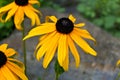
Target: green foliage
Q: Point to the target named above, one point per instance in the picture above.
(51, 4)
(104, 13)
(5, 28)
(58, 69)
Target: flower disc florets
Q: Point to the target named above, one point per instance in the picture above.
(3, 59)
(64, 25)
(21, 2)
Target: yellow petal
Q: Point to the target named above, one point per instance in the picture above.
(30, 14)
(79, 25)
(3, 47)
(83, 33)
(11, 12)
(48, 37)
(51, 50)
(33, 9)
(41, 51)
(40, 30)
(10, 52)
(2, 76)
(17, 71)
(19, 63)
(73, 19)
(66, 61)
(74, 51)
(62, 49)
(83, 44)
(7, 7)
(1, 17)
(7, 73)
(34, 2)
(15, 65)
(37, 20)
(53, 18)
(18, 18)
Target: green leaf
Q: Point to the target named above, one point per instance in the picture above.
(99, 22)
(117, 34)
(109, 21)
(118, 19)
(81, 8)
(58, 69)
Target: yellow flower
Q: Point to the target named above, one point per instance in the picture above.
(10, 69)
(118, 63)
(18, 8)
(60, 34)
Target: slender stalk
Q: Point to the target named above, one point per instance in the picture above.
(57, 76)
(24, 48)
(58, 70)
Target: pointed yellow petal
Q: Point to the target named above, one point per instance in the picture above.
(33, 2)
(43, 39)
(11, 13)
(10, 52)
(41, 51)
(66, 61)
(17, 71)
(7, 73)
(1, 17)
(18, 18)
(53, 18)
(3, 47)
(19, 63)
(40, 30)
(51, 50)
(15, 66)
(83, 33)
(74, 51)
(33, 9)
(62, 49)
(48, 37)
(30, 14)
(73, 19)
(29, 11)
(7, 7)
(79, 25)
(37, 20)
(83, 44)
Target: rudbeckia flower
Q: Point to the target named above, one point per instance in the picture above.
(60, 34)
(18, 8)
(10, 68)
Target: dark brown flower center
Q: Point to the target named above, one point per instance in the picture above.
(21, 2)
(3, 59)
(64, 25)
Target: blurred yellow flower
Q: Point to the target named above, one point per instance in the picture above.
(10, 69)
(61, 33)
(17, 9)
(118, 63)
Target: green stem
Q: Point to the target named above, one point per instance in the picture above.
(58, 70)
(57, 76)
(24, 48)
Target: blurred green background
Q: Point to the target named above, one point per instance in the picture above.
(103, 13)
